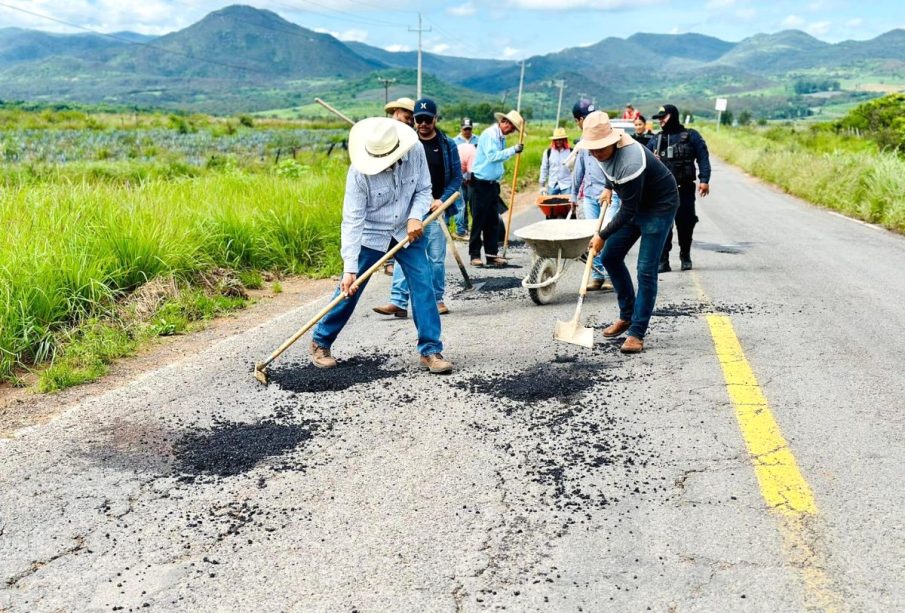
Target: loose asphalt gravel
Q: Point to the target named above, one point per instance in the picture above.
(537, 477)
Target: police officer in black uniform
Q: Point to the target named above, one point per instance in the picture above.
(679, 148)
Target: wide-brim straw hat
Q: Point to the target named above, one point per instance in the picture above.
(406, 104)
(513, 117)
(377, 143)
(597, 133)
(559, 134)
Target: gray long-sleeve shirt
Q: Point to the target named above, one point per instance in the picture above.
(377, 208)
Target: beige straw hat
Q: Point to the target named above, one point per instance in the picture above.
(513, 117)
(597, 133)
(406, 104)
(559, 134)
(377, 143)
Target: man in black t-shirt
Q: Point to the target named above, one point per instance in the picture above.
(446, 179)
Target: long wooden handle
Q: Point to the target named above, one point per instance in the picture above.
(591, 255)
(452, 246)
(518, 159)
(334, 111)
(364, 277)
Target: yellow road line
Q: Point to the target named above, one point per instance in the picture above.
(781, 483)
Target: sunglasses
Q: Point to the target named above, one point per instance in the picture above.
(423, 119)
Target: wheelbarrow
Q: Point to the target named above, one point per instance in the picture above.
(556, 206)
(554, 244)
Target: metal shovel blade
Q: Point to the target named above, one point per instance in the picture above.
(571, 332)
(261, 374)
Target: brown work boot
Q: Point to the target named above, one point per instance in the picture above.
(476, 262)
(442, 308)
(436, 364)
(494, 260)
(607, 287)
(632, 344)
(391, 309)
(320, 356)
(619, 326)
(594, 285)
(388, 269)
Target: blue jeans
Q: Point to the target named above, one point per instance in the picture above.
(591, 209)
(555, 191)
(652, 230)
(436, 255)
(413, 260)
(463, 203)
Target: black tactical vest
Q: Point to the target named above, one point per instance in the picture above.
(678, 157)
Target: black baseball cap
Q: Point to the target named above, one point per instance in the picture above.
(425, 106)
(666, 109)
(582, 108)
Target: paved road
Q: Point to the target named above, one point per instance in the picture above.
(750, 460)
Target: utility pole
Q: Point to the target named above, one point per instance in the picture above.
(521, 84)
(386, 88)
(419, 30)
(561, 84)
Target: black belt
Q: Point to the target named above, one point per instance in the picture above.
(477, 180)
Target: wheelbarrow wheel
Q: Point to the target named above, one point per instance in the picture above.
(543, 269)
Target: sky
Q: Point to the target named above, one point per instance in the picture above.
(503, 29)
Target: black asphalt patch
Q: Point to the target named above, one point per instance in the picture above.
(303, 377)
(561, 380)
(695, 309)
(232, 448)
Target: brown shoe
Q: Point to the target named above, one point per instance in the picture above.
(607, 287)
(320, 356)
(632, 344)
(442, 308)
(494, 260)
(619, 326)
(476, 262)
(391, 309)
(436, 364)
(594, 285)
(388, 270)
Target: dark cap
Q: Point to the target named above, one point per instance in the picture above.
(425, 106)
(666, 109)
(582, 108)
(466, 123)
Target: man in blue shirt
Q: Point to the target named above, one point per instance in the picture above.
(388, 194)
(488, 170)
(466, 133)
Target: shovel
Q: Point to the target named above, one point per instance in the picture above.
(261, 367)
(570, 331)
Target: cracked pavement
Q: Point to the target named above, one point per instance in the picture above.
(417, 492)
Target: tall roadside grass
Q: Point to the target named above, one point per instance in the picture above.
(72, 245)
(842, 173)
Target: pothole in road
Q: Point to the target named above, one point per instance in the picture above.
(694, 309)
(560, 379)
(305, 377)
(488, 286)
(232, 448)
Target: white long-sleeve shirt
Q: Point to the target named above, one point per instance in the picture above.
(553, 170)
(377, 208)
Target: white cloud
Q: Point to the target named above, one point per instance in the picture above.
(855, 22)
(396, 47)
(819, 28)
(792, 21)
(358, 36)
(560, 5)
(463, 10)
(439, 48)
(675, 30)
(511, 52)
(746, 13)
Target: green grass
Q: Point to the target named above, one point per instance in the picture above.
(847, 174)
(75, 243)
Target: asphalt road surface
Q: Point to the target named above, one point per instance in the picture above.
(751, 459)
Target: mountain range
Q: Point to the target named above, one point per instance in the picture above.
(241, 58)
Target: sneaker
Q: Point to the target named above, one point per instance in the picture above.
(493, 260)
(477, 262)
(436, 364)
(442, 308)
(392, 309)
(320, 356)
(632, 344)
(664, 266)
(618, 327)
